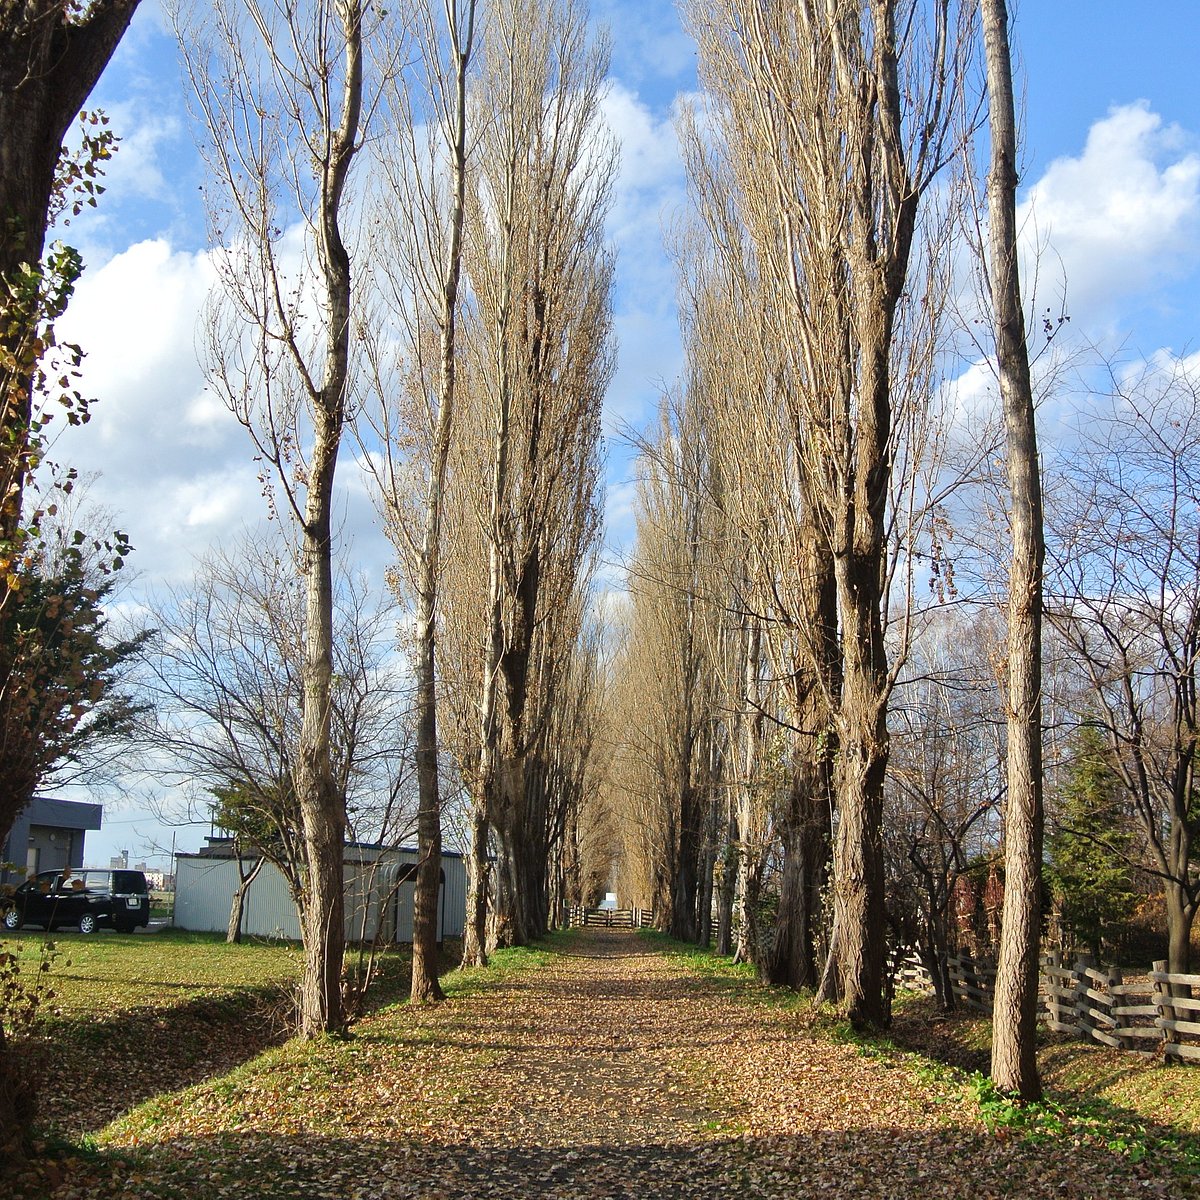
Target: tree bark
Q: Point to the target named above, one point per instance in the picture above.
(475, 935)
(805, 834)
(425, 984)
(791, 960)
(49, 63)
(237, 909)
(1181, 913)
(1014, 1021)
(728, 889)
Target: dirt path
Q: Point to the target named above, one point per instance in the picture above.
(613, 1070)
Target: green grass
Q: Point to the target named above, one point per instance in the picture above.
(105, 973)
(204, 1058)
(1134, 1107)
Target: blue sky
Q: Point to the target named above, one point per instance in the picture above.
(1112, 183)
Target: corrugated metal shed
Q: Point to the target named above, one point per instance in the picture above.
(379, 895)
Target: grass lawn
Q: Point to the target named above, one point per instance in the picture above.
(105, 973)
(1143, 1107)
(129, 1016)
(144, 1027)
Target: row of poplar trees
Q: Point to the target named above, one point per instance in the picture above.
(794, 482)
(407, 210)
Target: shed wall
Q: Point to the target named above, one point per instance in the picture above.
(205, 887)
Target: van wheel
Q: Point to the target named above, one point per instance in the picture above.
(87, 923)
(12, 919)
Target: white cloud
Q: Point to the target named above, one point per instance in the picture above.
(136, 320)
(175, 467)
(1122, 217)
(650, 159)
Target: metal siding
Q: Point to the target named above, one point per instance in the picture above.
(455, 913)
(205, 888)
(270, 911)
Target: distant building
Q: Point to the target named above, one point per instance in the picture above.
(379, 893)
(47, 836)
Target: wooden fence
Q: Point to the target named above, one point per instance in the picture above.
(908, 971)
(973, 981)
(1160, 1013)
(610, 918)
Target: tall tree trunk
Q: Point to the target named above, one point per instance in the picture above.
(1014, 1021)
(1181, 913)
(425, 984)
(505, 923)
(685, 880)
(859, 917)
(707, 872)
(790, 962)
(322, 803)
(806, 827)
(475, 934)
(749, 897)
(728, 889)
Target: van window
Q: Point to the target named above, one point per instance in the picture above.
(128, 881)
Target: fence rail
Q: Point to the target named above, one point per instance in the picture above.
(1097, 1004)
(610, 918)
(973, 981)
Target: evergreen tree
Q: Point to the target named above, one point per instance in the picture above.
(1092, 846)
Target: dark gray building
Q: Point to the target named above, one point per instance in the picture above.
(48, 835)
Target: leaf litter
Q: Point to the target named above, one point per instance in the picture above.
(602, 1069)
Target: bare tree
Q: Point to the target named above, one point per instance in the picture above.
(227, 687)
(835, 120)
(689, 686)
(424, 167)
(945, 781)
(536, 359)
(280, 92)
(1124, 597)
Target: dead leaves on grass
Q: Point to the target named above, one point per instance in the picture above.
(609, 1071)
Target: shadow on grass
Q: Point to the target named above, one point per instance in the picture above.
(959, 1040)
(875, 1162)
(99, 1067)
(102, 1067)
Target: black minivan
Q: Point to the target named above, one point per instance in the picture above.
(87, 899)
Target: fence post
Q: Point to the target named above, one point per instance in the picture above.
(1046, 984)
(1116, 977)
(1083, 1024)
(1162, 1001)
